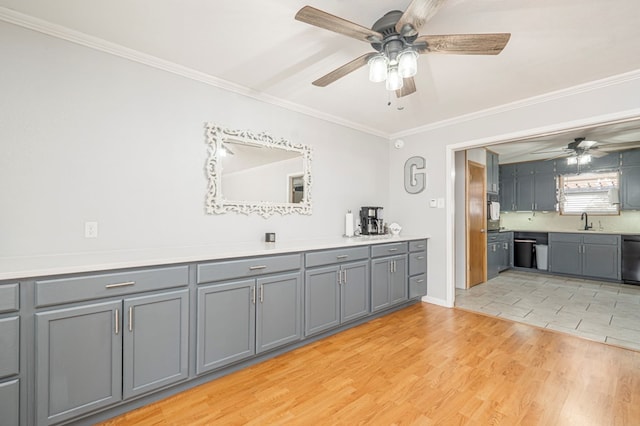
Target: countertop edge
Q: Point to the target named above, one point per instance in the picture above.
(26, 267)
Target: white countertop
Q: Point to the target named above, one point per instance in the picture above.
(17, 267)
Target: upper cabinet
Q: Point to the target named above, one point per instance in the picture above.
(629, 178)
(492, 172)
(528, 186)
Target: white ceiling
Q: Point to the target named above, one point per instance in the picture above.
(260, 47)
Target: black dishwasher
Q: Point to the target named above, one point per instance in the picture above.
(631, 259)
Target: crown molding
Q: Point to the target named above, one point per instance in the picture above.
(523, 103)
(77, 37)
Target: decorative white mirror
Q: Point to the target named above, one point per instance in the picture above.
(250, 173)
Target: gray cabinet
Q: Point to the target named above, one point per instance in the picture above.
(78, 360)
(155, 350)
(417, 268)
(630, 188)
(388, 282)
(507, 187)
(499, 253)
(494, 255)
(91, 356)
(492, 172)
(239, 319)
(335, 294)
(226, 324)
(535, 187)
(10, 403)
(588, 255)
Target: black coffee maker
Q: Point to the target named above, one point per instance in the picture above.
(371, 222)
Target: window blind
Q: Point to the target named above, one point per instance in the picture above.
(588, 192)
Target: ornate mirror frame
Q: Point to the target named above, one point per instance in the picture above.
(216, 202)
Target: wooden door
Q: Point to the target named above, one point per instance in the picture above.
(476, 219)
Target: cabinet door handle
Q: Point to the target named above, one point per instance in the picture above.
(339, 277)
(253, 294)
(117, 320)
(342, 256)
(124, 284)
(255, 268)
(261, 293)
(344, 280)
(130, 318)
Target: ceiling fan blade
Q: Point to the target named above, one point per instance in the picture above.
(597, 153)
(618, 146)
(418, 12)
(408, 87)
(464, 44)
(317, 17)
(343, 70)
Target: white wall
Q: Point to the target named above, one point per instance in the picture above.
(87, 136)
(596, 103)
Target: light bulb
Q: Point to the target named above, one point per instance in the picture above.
(408, 63)
(394, 79)
(377, 68)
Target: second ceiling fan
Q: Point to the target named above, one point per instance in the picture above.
(396, 42)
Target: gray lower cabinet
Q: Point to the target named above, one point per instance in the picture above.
(239, 319)
(95, 355)
(10, 403)
(588, 255)
(494, 257)
(418, 267)
(388, 282)
(335, 294)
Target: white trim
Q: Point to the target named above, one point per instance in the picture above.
(551, 96)
(77, 37)
(633, 114)
(436, 301)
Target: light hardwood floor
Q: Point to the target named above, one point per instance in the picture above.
(423, 365)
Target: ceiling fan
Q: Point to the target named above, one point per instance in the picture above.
(581, 147)
(396, 42)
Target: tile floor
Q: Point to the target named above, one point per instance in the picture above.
(596, 310)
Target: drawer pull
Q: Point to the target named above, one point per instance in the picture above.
(342, 256)
(393, 249)
(420, 257)
(255, 268)
(124, 284)
(420, 245)
(419, 281)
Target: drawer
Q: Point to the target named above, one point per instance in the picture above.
(9, 297)
(608, 239)
(417, 286)
(417, 263)
(64, 290)
(244, 268)
(9, 346)
(10, 403)
(328, 257)
(492, 237)
(565, 238)
(417, 245)
(391, 249)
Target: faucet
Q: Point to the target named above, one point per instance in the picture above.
(586, 221)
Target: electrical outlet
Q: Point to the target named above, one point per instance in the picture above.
(91, 229)
(433, 203)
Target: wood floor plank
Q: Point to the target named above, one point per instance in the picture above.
(422, 365)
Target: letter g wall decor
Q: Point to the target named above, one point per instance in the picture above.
(415, 182)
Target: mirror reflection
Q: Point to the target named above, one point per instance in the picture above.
(256, 173)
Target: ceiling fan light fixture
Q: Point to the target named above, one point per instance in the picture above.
(582, 159)
(408, 63)
(394, 79)
(378, 69)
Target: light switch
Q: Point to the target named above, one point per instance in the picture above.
(433, 203)
(441, 203)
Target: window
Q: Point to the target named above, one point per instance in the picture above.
(595, 193)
